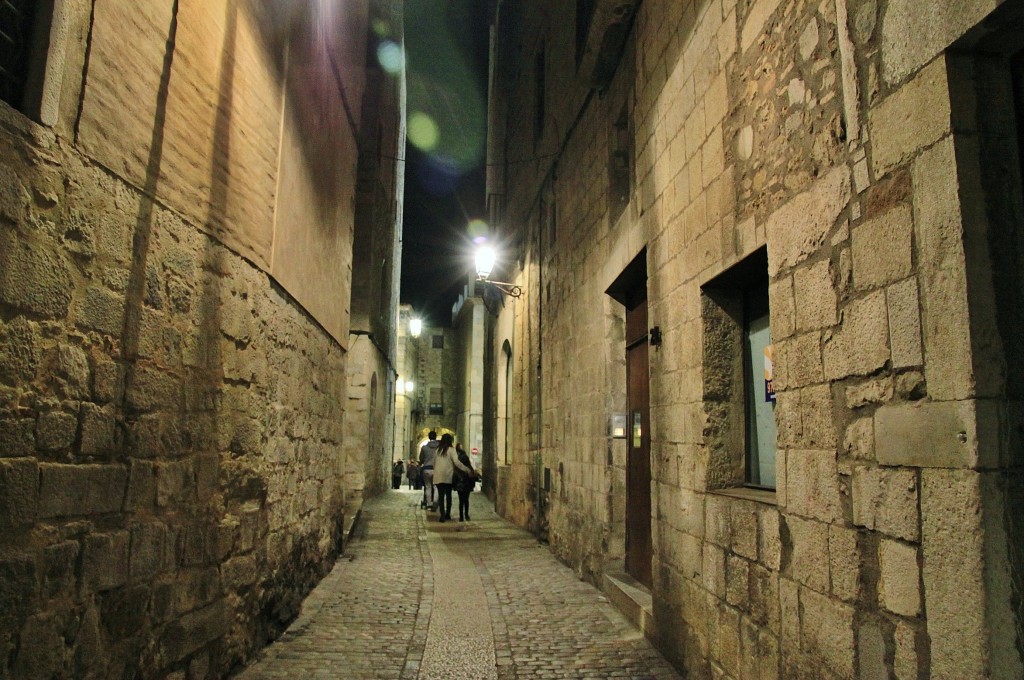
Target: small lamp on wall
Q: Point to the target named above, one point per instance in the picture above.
(415, 327)
(485, 259)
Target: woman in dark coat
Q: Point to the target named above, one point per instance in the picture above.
(397, 470)
(464, 483)
(446, 462)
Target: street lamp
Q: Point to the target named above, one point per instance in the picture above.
(485, 258)
(415, 327)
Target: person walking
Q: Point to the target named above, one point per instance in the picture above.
(397, 471)
(427, 452)
(445, 463)
(412, 471)
(464, 482)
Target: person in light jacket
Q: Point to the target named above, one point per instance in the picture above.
(427, 452)
(445, 463)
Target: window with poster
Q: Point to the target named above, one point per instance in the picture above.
(738, 347)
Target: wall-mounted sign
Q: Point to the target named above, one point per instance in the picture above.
(617, 426)
(769, 374)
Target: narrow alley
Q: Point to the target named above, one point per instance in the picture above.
(722, 299)
(414, 598)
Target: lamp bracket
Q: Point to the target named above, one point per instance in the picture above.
(510, 289)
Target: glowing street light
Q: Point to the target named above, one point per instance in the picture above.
(485, 259)
(415, 327)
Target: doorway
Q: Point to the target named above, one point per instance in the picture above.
(630, 290)
(638, 452)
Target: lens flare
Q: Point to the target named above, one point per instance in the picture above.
(390, 56)
(444, 82)
(422, 131)
(477, 230)
(438, 175)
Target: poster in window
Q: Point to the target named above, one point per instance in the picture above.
(769, 374)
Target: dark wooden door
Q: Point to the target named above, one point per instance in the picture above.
(638, 458)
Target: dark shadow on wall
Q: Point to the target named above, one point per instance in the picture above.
(136, 291)
(240, 431)
(986, 76)
(304, 43)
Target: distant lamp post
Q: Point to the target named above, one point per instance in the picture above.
(415, 327)
(485, 258)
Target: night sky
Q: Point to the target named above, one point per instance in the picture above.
(446, 44)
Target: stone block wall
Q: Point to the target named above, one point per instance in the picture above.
(367, 437)
(172, 509)
(840, 140)
(435, 367)
(171, 410)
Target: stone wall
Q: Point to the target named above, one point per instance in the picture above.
(469, 331)
(369, 411)
(436, 367)
(175, 508)
(170, 413)
(405, 362)
(373, 352)
(838, 141)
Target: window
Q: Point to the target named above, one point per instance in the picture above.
(437, 341)
(549, 215)
(758, 387)
(539, 69)
(505, 404)
(24, 40)
(985, 71)
(620, 165)
(738, 391)
(584, 14)
(1017, 77)
(435, 407)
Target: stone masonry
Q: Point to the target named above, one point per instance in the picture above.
(171, 394)
(868, 152)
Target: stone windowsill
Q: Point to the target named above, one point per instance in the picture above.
(748, 494)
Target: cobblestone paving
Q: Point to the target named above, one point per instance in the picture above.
(417, 599)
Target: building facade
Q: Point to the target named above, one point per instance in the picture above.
(445, 367)
(762, 369)
(181, 317)
(431, 361)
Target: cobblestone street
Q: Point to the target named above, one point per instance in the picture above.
(414, 598)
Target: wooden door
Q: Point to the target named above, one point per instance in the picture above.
(638, 458)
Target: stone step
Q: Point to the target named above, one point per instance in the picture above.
(631, 598)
